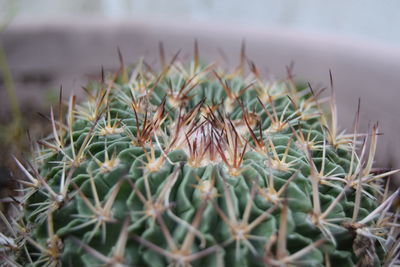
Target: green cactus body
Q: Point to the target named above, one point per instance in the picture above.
(196, 167)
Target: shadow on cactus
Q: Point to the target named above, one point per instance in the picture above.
(195, 166)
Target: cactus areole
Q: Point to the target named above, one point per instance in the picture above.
(196, 166)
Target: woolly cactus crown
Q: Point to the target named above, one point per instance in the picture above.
(195, 166)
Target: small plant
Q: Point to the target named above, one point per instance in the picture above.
(195, 166)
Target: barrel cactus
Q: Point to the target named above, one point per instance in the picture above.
(197, 166)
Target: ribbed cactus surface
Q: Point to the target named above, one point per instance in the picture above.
(195, 166)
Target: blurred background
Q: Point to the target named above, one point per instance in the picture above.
(47, 43)
(365, 19)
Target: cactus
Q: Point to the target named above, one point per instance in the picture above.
(196, 166)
